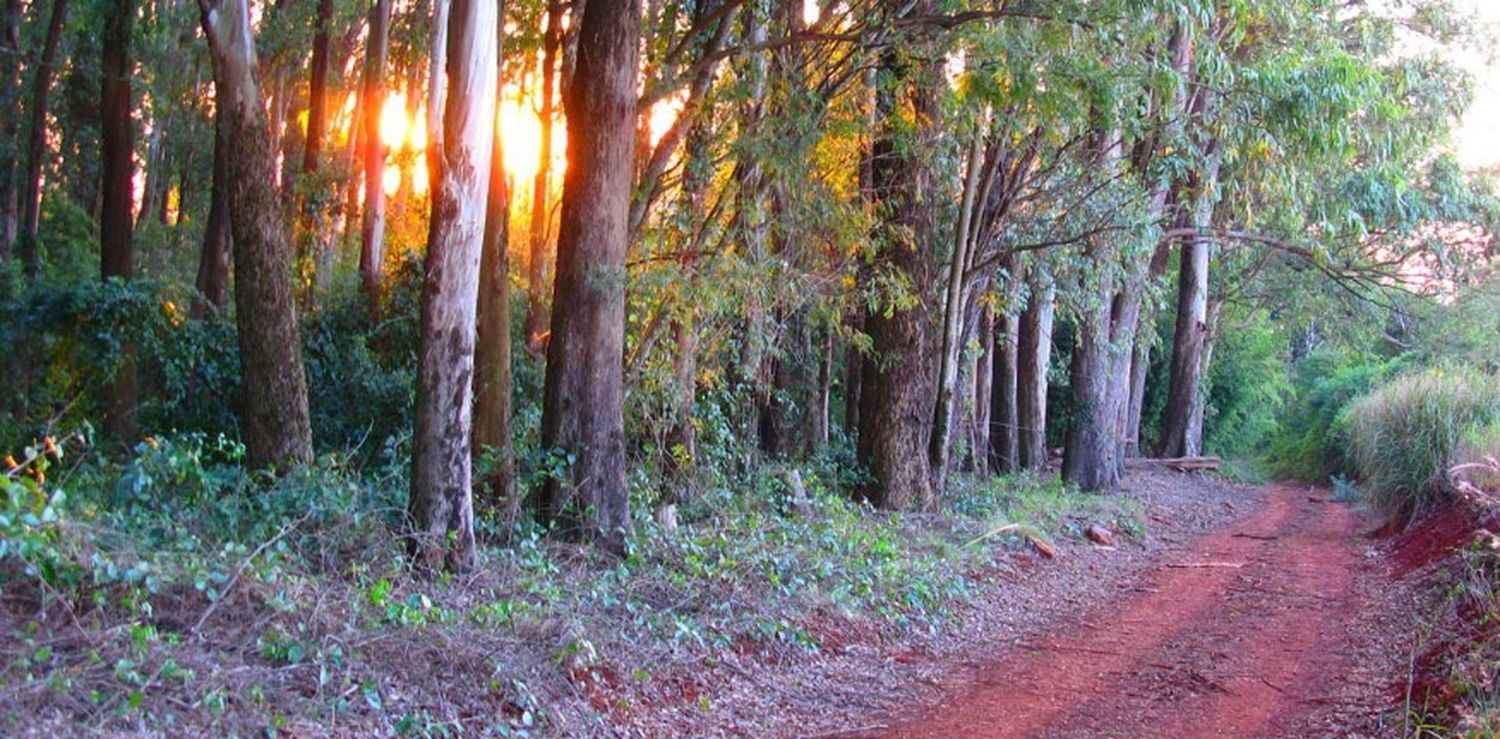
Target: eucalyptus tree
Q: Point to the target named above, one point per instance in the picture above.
(116, 224)
(274, 413)
(44, 70)
(116, 217)
(541, 216)
(372, 216)
(898, 393)
(314, 202)
(10, 130)
(1018, 187)
(492, 351)
(441, 503)
(211, 287)
(1319, 129)
(583, 395)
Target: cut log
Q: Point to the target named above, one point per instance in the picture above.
(1100, 535)
(1179, 464)
(1043, 548)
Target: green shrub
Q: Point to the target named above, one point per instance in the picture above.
(1305, 446)
(1247, 386)
(65, 340)
(1405, 436)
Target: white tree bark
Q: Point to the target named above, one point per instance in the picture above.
(441, 496)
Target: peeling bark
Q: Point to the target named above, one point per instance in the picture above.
(441, 504)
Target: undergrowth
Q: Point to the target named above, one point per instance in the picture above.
(1454, 689)
(175, 593)
(1405, 436)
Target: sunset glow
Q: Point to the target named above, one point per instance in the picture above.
(393, 121)
(390, 180)
(520, 134)
(810, 12)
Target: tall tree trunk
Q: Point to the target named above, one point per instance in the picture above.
(1004, 436)
(682, 438)
(1124, 325)
(317, 98)
(951, 353)
(151, 175)
(1186, 376)
(274, 415)
(315, 208)
(900, 382)
(372, 217)
(441, 497)
(822, 393)
(773, 384)
(31, 185)
(116, 221)
(1187, 348)
(751, 222)
(854, 365)
(437, 89)
(582, 401)
(1088, 450)
(353, 185)
(213, 262)
(984, 375)
(10, 129)
(1140, 362)
(116, 244)
(492, 371)
(536, 266)
(1033, 359)
(1093, 443)
(1206, 358)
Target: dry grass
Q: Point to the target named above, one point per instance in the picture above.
(1407, 435)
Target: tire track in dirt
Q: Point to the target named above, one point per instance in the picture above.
(1234, 636)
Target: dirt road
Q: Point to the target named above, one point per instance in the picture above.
(1237, 633)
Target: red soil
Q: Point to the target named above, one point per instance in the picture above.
(1237, 635)
(1434, 537)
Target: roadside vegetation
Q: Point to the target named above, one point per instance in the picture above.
(174, 592)
(1416, 434)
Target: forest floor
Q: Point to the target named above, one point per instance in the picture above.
(1241, 611)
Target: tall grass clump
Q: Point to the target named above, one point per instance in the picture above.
(1405, 436)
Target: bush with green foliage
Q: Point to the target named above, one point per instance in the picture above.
(1406, 435)
(67, 339)
(1247, 386)
(1306, 446)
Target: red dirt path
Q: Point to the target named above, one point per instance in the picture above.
(1236, 635)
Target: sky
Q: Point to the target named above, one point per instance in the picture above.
(1477, 139)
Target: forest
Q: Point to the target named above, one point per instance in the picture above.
(584, 367)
